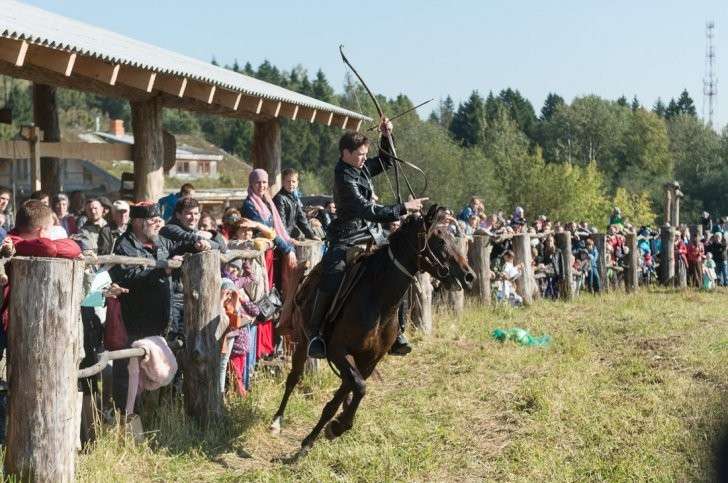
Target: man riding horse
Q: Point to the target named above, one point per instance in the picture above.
(357, 223)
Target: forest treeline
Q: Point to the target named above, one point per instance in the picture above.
(569, 160)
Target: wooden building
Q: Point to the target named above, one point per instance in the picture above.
(54, 51)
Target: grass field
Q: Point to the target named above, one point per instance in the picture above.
(630, 389)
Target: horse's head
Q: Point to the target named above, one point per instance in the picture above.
(438, 252)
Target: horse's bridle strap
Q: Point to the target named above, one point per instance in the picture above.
(399, 266)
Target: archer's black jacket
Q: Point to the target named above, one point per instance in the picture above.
(358, 215)
(292, 215)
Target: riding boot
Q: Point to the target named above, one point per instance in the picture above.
(317, 346)
(401, 346)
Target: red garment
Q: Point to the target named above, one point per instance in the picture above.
(45, 247)
(39, 247)
(237, 366)
(265, 329)
(696, 252)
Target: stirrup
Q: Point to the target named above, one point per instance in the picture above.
(317, 354)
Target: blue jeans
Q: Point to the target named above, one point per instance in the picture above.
(721, 270)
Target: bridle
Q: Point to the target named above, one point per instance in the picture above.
(424, 254)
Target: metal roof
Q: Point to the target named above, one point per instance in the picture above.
(34, 25)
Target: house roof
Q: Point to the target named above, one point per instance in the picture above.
(183, 151)
(126, 57)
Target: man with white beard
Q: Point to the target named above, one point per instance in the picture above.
(145, 310)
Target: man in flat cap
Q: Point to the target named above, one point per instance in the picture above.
(146, 308)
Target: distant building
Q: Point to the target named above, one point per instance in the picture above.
(190, 163)
(76, 174)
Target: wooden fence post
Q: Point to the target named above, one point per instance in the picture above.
(44, 334)
(479, 259)
(631, 276)
(667, 256)
(566, 290)
(422, 304)
(525, 284)
(601, 244)
(455, 299)
(201, 360)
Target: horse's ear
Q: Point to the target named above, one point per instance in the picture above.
(431, 213)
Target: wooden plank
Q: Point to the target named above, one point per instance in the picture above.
(358, 125)
(331, 118)
(96, 69)
(59, 61)
(14, 149)
(89, 151)
(313, 116)
(175, 86)
(226, 98)
(201, 92)
(137, 78)
(13, 51)
(346, 121)
(288, 110)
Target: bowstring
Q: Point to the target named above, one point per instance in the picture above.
(379, 148)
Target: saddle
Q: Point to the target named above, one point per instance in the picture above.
(299, 299)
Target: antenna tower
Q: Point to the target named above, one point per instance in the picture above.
(710, 81)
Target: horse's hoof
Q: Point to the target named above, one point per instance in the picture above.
(329, 430)
(275, 426)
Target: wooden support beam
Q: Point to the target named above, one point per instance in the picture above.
(96, 69)
(59, 61)
(35, 138)
(345, 122)
(271, 108)
(43, 407)
(13, 51)
(289, 110)
(265, 151)
(174, 86)
(631, 270)
(358, 125)
(331, 118)
(137, 78)
(313, 116)
(146, 122)
(201, 92)
(45, 116)
(228, 99)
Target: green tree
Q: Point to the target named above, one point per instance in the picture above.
(552, 103)
(468, 123)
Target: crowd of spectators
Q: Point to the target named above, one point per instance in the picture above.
(143, 301)
(702, 260)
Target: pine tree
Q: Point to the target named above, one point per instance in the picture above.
(447, 111)
(635, 103)
(659, 108)
(685, 104)
(622, 101)
(468, 123)
(672, 110)
(550, 105)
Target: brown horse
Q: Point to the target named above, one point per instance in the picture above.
(365, 328)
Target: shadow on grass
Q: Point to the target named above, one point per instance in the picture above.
(169, 427)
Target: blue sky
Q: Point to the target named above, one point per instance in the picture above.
(434, 48)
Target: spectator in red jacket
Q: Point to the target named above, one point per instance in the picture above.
(696, 255)
(30, 235)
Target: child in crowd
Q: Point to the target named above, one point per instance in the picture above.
(509, 274)
(709, 274)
